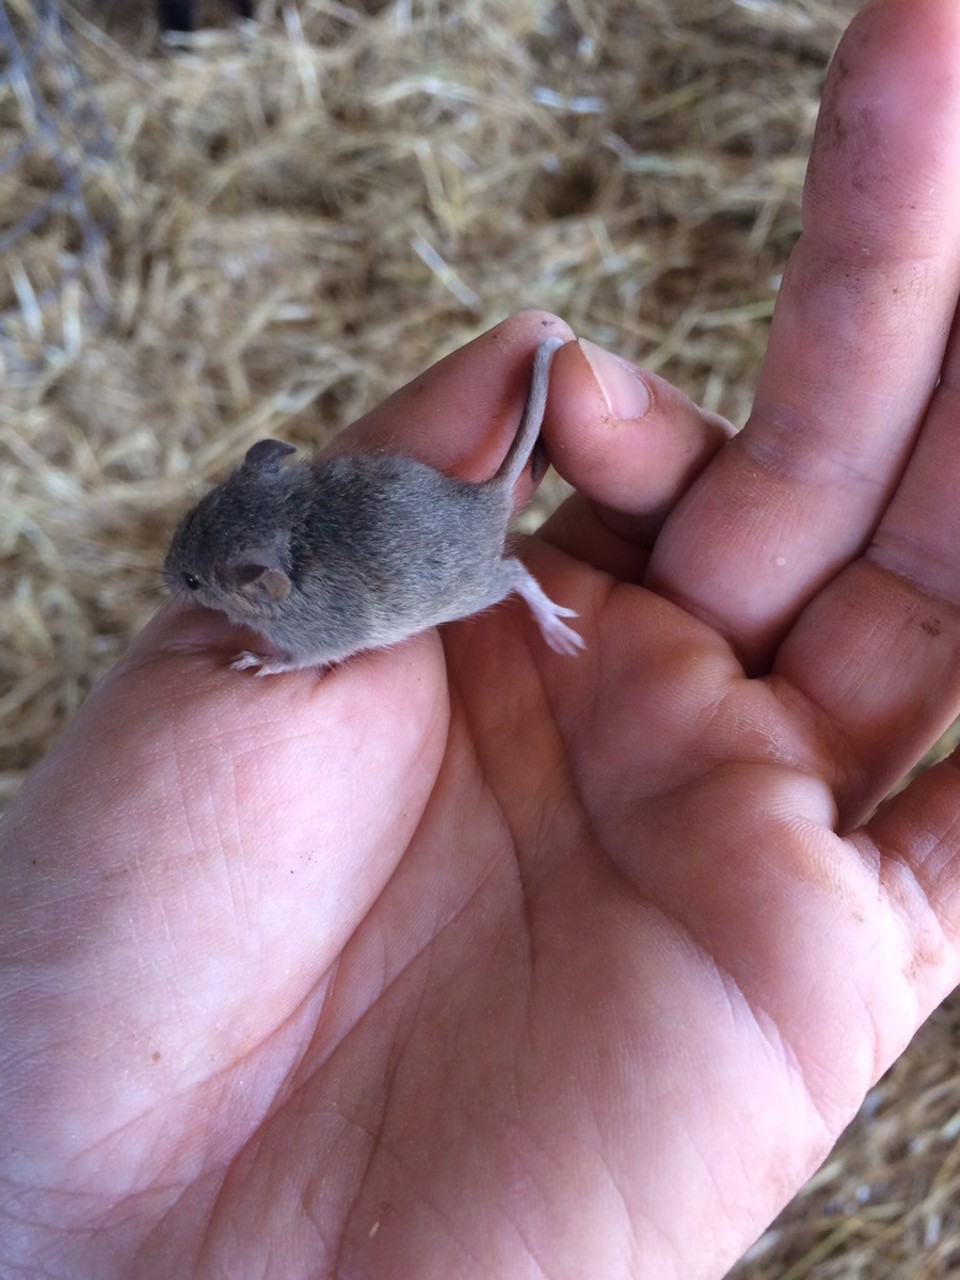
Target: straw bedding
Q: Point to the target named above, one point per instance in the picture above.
(300, 216)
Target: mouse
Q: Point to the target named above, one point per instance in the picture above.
(326, 557)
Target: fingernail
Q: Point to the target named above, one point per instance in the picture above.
(624, 390)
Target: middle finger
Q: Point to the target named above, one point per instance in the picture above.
(856, 342)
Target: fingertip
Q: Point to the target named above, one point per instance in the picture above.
(181, 625)
(884, 138)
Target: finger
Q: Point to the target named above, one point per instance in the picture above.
(623, 436)
(226, 768)
(196, 832)
(630, 443)
(856, 341)
(878, 653)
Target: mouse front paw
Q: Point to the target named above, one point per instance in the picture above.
(264, 666)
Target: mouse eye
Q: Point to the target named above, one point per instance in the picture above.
(191, 583)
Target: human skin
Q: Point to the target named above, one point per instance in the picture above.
(469, 960)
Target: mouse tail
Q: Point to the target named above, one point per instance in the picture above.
(532, 418)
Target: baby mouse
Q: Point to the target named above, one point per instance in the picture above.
(326, 557)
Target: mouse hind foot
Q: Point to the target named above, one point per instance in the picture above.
(549, 616)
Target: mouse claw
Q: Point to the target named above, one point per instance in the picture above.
(244, 660)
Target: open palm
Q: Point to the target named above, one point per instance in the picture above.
(469, 960)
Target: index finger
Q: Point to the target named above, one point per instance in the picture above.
(856, 343)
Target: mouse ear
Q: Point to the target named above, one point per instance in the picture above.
(267, 456)
(256, 574)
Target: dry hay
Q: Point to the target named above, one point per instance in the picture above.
(303, 215)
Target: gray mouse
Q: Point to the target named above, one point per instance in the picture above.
(326, 557)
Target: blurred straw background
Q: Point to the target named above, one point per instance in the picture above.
(266, 227)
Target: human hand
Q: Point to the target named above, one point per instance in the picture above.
(469, 960)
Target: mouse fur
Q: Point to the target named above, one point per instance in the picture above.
(326, 557)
